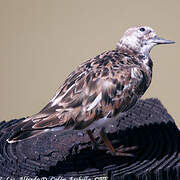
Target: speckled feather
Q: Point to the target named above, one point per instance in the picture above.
(111, 75)
(99, 89)
(108, 75)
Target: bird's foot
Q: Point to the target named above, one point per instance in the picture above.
(94, 143)
(123, 151)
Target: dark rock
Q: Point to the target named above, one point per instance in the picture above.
(147, 125)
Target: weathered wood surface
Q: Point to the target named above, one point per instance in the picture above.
(147, 125)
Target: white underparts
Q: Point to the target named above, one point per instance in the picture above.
(60, 128)
(102, 121)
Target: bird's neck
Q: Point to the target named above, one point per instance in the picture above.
(147, 64)
(130, 48)
(139, 58)
(133, 45)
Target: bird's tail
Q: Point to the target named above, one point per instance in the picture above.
(23, 130)
(21, 135)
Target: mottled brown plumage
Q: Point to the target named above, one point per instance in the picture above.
(99, 89)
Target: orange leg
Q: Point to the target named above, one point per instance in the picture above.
(95, 145)
(90, 134)
(121, 151)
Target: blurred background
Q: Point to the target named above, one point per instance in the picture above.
(42, 41)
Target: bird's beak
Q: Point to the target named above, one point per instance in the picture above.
(159, 40)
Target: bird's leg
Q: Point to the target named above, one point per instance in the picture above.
(121, 151)
(95, 145)
(93, 141)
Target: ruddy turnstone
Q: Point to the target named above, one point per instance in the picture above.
(98, 90)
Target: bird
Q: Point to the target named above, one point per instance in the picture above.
(98, 91)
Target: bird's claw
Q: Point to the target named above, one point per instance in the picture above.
(123, 151)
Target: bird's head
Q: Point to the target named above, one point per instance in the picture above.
(141, 39)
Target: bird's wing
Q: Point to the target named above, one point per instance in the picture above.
(88, 96)
(93, 91)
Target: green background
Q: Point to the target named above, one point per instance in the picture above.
(42, 41)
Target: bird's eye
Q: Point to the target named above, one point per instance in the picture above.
(142, 29)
